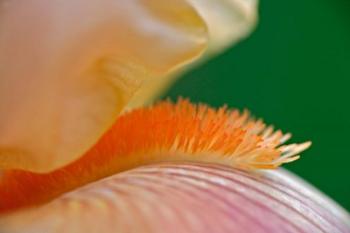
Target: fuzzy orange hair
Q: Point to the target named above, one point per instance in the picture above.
(163, 132)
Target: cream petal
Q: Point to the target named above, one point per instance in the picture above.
(228, 22)
(67, 68)
(186, 198)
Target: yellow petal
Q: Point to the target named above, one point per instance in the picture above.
(228, 22)
(67, 68)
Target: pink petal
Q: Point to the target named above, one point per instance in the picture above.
(186, 198)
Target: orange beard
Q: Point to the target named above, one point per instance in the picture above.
(163, 132)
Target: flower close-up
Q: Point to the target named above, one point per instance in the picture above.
(87, 143)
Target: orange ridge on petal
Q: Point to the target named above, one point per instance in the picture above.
(164, 132)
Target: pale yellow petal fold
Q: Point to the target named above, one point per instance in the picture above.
(67, 68)
(228, 22)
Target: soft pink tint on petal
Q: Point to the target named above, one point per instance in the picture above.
(186, 198)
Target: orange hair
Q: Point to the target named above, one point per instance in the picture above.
(163, 132)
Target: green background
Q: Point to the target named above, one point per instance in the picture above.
(294, 72)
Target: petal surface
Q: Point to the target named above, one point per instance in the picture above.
(67, 68)
(186, 198)
(228, 21)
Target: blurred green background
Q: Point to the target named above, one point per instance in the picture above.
(294, 72)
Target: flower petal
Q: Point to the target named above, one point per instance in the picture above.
(228, 22)
(68, 68)
(186, 198)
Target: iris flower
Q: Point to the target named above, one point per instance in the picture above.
(85, 148)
